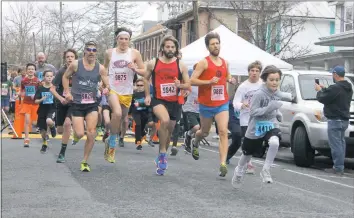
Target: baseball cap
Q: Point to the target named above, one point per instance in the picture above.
(339, 70)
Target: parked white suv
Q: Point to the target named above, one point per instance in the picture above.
(304, 126)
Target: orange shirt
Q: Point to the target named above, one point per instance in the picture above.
(214, 95)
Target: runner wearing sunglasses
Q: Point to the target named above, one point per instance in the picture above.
(85, 73)
(121, 63)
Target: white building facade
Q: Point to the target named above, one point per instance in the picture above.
(339, 43)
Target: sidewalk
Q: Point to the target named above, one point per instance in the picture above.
(34, 185)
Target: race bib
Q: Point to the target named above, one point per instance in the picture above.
(49, 99)
(217, 93)
(87, 98)
(4, 91)
(40, 76)
(30, 90)
(262, 127)
(120, 77)
(168, 89)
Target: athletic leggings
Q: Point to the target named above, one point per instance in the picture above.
(237, 133)
(141, 119)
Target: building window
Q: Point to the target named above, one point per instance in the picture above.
(190, 32)
(348, 18)
(179, 35)
(244, 28)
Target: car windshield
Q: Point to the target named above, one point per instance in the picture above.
(307, 83)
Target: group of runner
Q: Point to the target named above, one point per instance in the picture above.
(82, 86)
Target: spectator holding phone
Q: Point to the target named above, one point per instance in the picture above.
(336, 100)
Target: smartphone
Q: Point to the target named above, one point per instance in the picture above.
(317, 81)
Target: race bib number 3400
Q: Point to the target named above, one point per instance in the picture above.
(262, 127)
(217, 93)
(168, 89)
(87, 98)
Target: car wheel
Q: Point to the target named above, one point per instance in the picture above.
(304, 155)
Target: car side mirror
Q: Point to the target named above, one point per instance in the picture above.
(294, 100)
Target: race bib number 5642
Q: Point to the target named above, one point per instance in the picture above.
(168, 89)
(217, 93)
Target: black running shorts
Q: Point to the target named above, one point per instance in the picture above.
(171, 107)
(252, 146)
(42, 119)
(81, 110)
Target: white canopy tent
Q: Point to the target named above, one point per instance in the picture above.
(235, 50)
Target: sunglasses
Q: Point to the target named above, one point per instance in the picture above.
(91, 49)
(139, 85)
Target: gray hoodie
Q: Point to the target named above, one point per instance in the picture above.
(264, 113)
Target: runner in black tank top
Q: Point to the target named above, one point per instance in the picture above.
(86, 74)
(63, 115)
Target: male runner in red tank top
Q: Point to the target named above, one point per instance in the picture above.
(166, 72)
(212, 75)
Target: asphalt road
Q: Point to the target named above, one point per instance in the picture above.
(34, 185)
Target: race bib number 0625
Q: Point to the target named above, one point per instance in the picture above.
(168, 89)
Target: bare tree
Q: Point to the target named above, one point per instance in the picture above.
(267, 25)
(17, 31)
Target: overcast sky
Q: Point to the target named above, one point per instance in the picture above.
(148, 12)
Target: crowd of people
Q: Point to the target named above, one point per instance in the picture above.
(88, 97)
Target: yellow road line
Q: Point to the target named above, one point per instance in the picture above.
(99, 138)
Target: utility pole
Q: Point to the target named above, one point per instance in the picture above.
(34, 46)
(196, 19)
(60, 32)
(115, 15)
(115, 22)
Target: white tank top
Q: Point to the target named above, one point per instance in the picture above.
(120, 76)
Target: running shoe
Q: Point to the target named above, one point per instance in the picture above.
(106, 148)
(26, 143)
(266, 177)
(111, 155)
(237, 178)
(195, 151)
(223, 170)
(61, 158)
(75, 139)
(161, 164)
(44, 149)
(151, 143)
(138, 146)
(53, 131)
(121, 142)
(227, 161)
(250, 169)
(174, 151)
(187, 142)
(85, 167)
(100, 131)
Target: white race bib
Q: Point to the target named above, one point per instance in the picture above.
(4, 91)
(87, 98)
(168, 89)
(120, 77)
(217, 93)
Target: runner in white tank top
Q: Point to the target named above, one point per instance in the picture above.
(120, 75)
(122, 64)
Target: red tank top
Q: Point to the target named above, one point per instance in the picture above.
(163, 80)
(214, 95)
